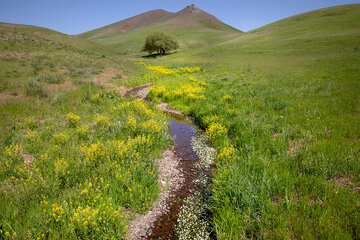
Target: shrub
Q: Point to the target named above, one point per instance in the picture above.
(35, 88)
(50, 79)
(217, 134)
(72, 120)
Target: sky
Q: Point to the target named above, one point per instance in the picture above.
(77, 16)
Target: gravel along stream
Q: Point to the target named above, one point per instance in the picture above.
(182, 211)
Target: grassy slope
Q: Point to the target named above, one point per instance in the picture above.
(29, 53)
(82, 169)
(292, 116)
(190, 31)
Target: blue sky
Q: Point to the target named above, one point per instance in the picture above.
(77, 16)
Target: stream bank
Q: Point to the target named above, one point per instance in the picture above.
(181, 211)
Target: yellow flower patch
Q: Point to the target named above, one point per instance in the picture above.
(72, 120)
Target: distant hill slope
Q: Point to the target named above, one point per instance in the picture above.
(31, 38)
(326, 22)
(192, 26)
(28, 52)
(321, 32)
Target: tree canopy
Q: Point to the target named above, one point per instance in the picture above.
(160, 42)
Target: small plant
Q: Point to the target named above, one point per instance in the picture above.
(101, 121)
(82, 132)
(32, 124)
(227, 98)
(61, 138)
(35, 88)
(50, 79)
(72, 120)
(117, 76)
(217, 133)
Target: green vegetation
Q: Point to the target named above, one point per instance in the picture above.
(50, 79)
(279, 103)
(191, 30)
(282, 110)
(35, 88)
(75, 172)
(77, 160)
(160, 42)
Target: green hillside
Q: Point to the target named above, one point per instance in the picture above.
(57, 99)
(28, 52)
(280, 104)
(288, 96)
(53, 61)
(193, 27)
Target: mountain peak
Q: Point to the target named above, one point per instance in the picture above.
(189, 17)
(191, 9)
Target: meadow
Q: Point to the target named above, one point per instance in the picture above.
(77, 159)
(81, 171)
(280, 104)
(284, 168)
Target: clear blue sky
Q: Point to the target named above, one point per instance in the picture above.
(77, 16)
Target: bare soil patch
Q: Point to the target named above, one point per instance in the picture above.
(348, 183)
(28, 158)
(170, 180)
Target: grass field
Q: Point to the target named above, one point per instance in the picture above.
(284, 109)
(279, 103)
(77, 160)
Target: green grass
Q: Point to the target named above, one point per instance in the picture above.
(195, 33)
(93, 164)
(77, 160)
(279, 103)
(289, 164)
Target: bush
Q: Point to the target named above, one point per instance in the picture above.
(73, 120)
(50, 79)
(35, 88)
(160, 42)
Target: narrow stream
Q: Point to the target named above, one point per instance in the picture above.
(182, 133)
(189, 216)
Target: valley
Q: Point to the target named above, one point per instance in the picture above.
(277, 108)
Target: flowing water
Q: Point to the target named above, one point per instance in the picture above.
(189, 217)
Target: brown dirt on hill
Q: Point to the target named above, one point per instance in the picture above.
(187, 17)
(6, 97)
(133, 23)
(12, 54)
(28, 158)
(346, 182)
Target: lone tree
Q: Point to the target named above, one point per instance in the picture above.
(160, 42)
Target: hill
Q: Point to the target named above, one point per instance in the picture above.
(326, 22)
(192, 26)
(280, 104)
(29, 52)
(58, 94)
(318, 32)
(288, 96)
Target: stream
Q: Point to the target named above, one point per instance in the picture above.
(188, 215)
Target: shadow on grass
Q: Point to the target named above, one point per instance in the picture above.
(156, 55)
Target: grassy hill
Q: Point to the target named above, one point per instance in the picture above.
(58, 96)
(38, 62)
(288, 96)
(280, 103)
(29, 52)
(192, 26)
